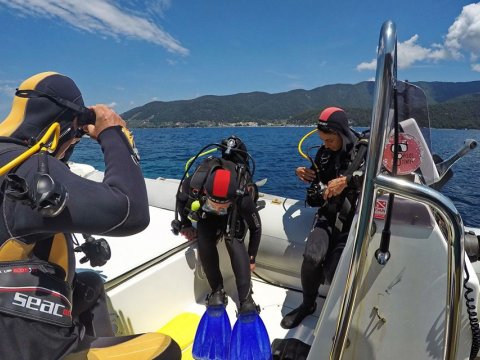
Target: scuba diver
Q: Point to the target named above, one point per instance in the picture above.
(219, 189)
(219, 201)
(336, 177)
(47, 310)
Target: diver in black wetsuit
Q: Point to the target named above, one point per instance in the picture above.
(338, 165)
(221, 196)
(43, 203)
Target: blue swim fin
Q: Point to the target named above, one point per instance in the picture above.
(250, 339)
(212, 339)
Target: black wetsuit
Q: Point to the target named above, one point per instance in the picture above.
(328, 236)
(212, 227)
(118, 206)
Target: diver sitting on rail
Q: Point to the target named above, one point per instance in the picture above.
(47, 311)
(217, 200)
(336, 180)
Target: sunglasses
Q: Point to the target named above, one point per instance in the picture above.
(85, 115)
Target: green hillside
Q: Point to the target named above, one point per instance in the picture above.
(452, 105)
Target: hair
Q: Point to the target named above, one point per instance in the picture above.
(327, 130)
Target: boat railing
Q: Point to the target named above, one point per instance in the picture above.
(373, 182)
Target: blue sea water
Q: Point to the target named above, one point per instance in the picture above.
(164, 153)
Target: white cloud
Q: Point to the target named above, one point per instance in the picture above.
(7, 87)
(372, 65)
(100, 16)
(463, 37)
(112, 104)
(464, 33)
(409, 52)
(7, 90)
(476, 67)
(158, 7)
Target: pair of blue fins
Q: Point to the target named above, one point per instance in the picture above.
(215, 339)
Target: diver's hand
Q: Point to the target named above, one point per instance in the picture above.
(305, 174)
(335, 187)
(189, 232)
(105, 118)
(252, 263)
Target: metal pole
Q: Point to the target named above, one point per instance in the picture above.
(383, 94)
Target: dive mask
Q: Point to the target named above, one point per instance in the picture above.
(85, 115)
(212, 207)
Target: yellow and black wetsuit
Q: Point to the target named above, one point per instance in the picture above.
(39, 315)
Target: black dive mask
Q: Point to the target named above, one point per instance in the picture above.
(84, 115)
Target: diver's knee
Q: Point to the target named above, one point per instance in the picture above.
(312, 260)
(315, 250)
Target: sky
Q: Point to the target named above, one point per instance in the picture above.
(128, 53)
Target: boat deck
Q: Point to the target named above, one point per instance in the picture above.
(274, 301)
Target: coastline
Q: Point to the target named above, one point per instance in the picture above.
(273, 126)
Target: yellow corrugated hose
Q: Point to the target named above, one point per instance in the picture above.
(300, 146)
(42, 144)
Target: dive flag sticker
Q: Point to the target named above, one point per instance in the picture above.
(410, 154)
(380, 209)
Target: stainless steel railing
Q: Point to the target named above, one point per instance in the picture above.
(382, 110)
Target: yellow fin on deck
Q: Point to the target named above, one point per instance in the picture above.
(182, 329)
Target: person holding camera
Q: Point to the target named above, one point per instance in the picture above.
(336, 177)
(47, 310)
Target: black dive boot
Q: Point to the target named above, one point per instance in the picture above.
(248, 306)
(218, 297)
(295, 317)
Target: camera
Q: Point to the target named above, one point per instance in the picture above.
(315, 195)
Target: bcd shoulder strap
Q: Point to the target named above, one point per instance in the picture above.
(6, 147)
(343, 213)
(361, 147)
(200, 176)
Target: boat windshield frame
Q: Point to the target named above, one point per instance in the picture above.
(374, 180)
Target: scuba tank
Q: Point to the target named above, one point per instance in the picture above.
(234, 157)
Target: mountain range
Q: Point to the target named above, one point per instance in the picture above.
(451, 105)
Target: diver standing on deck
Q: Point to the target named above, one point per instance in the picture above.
(336, 180)
(219, 202)
(47, 310)
(223, 201)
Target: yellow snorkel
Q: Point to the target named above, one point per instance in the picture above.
(42, 145)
